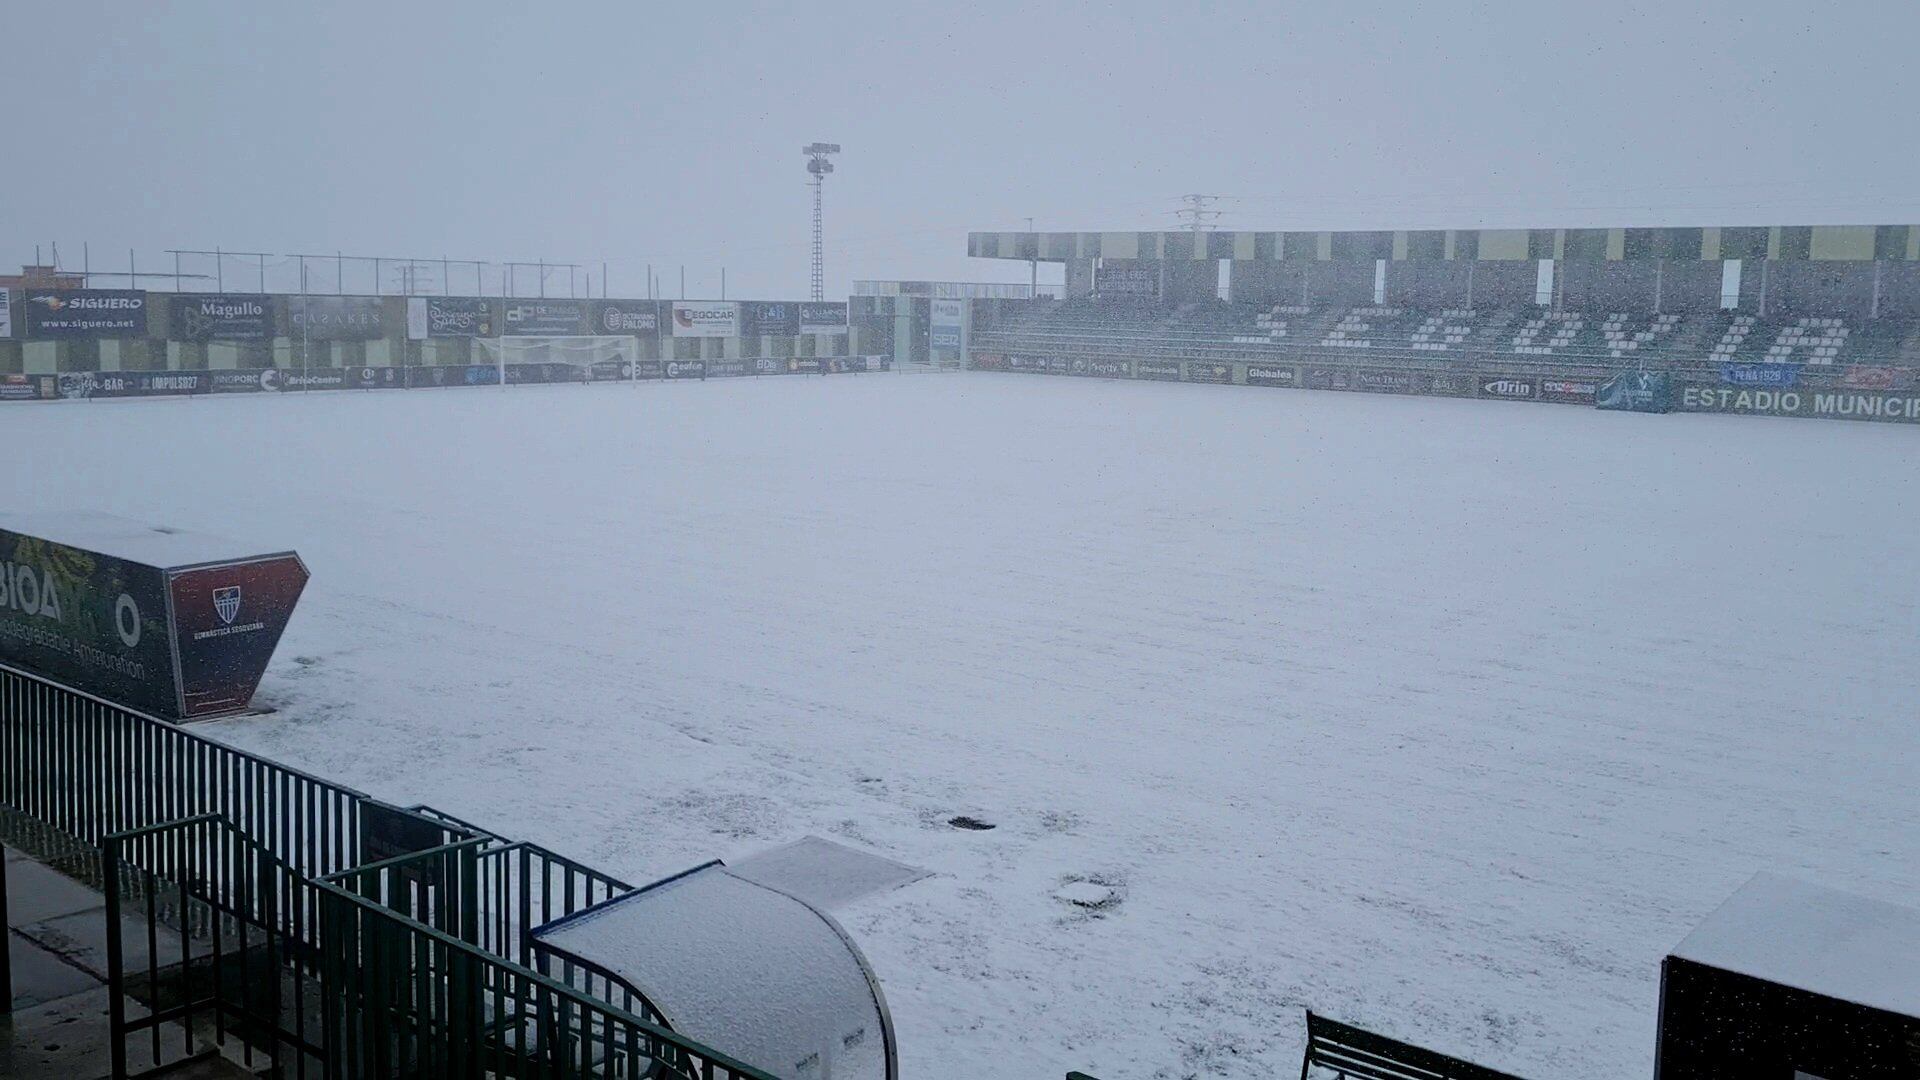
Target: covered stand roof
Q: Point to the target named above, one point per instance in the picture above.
(1816, 939)
(135, 541)
(749, 970)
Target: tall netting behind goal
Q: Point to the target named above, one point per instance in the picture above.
(560, 359)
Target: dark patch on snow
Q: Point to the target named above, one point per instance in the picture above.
(962, 821)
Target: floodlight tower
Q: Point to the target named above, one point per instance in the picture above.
(817, 169)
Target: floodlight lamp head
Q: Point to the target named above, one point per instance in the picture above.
(819, 148)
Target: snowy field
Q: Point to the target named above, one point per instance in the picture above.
(1447, 718)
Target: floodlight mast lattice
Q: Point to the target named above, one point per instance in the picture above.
(817, 169)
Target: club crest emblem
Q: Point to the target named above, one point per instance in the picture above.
(226, 601)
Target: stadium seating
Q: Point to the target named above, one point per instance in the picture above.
(1400, 334)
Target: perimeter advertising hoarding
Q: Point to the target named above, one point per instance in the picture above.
(28, 387)
(855, 364)
(1636, 391)
(243, 380)
(686, 369)
(314, 379)
(706, 318)
(1576, 391)
(1272, 375)
(778, 319)
(547, 372)
(546, 318)
(82, 385)
(220, 317)
(336, 318)
(84, 313)
(452, 375)
(1104, 369)
(1509, 387)
(179, 641)
(823, 318)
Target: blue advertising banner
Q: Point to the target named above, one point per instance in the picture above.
(1760, 374)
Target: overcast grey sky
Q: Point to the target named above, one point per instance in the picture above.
(636, 133)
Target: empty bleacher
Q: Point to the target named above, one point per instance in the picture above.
(1399, 334)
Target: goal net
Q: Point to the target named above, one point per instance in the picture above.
(560, 359)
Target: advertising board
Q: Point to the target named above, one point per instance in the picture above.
(823, 318)
(449, 317)
(769, 319)
(1572, 391)
(1509, 387)
(243, 380)
(545, 318)
(1103, 368)
(220, 317)
(1771, 375)
(640, 318)
(453, 375)
(1140, 282)
(84, 313)
(1636, 391)
(28, 387)
(150, 618)
(705, 319)
(1272, 375)
(336, 318)
(945, 319)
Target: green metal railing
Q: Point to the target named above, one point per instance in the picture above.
(235, 915)
(414, 1000)
(88, 768)
(254, 874)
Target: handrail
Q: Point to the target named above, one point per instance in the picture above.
(544, 983)
(183, 732)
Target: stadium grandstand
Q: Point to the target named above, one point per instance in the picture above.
(1823, 299)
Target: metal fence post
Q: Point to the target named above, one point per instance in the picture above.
(6, 942)
(116, 1001)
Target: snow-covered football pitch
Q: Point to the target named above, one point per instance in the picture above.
(1446, 718)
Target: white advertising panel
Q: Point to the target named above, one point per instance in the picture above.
(706, 318)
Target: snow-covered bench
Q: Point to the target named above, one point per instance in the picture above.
(1347, 1052)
